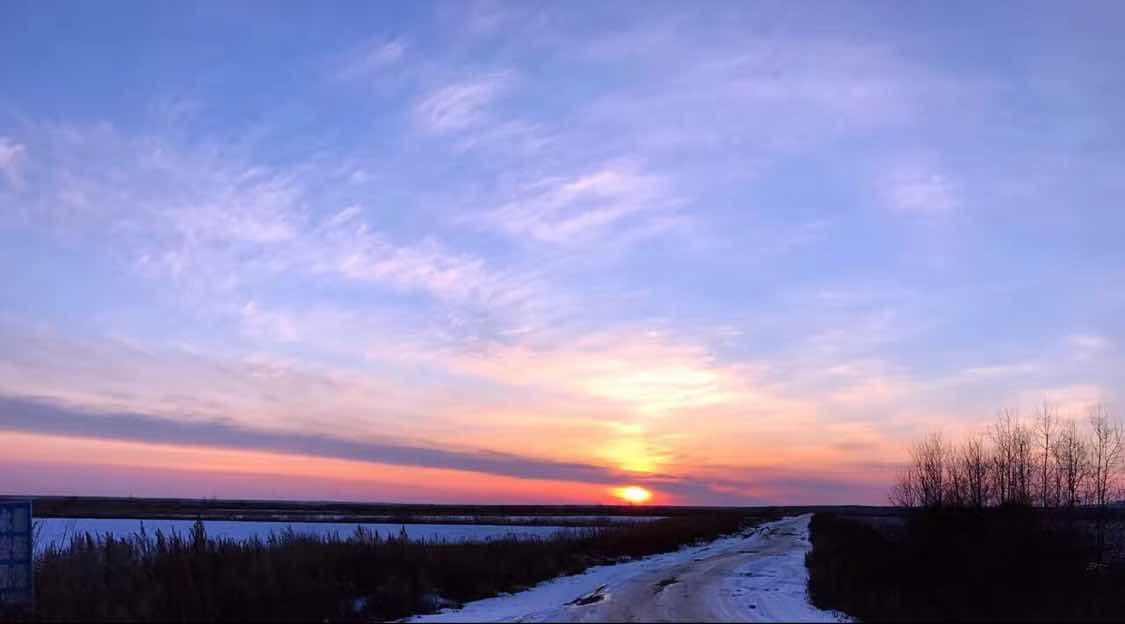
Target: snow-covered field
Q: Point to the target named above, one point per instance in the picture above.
(58, 530)
(562, 520)
(759, 576)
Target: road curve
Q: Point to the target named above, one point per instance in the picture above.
(759, 576)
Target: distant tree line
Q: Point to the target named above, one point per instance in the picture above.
(1049, 462)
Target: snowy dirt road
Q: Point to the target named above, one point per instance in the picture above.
(758, 576)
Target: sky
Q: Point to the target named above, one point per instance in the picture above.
(734, 253)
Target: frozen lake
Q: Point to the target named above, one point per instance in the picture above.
(59, 530)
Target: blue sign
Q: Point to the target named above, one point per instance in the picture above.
(16, 580)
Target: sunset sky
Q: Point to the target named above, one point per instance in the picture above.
(734, 253)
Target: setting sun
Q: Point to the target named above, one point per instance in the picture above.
(634, 494)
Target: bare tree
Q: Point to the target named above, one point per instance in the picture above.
(929, 459)
(1072, 463)
(1013, 462)
(1023, 457)
(956, 482)
(974, 467)
(1051, 462)
(1045, 423)
(1002, 456)
(922, 483)
(1107, 450)
(1020, 463)
(904, 493)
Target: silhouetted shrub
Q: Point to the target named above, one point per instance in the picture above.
(1005, 563)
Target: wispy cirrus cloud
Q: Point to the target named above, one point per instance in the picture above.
(12, 155)
(1087, 346)
(585, 207)
(645, 372)
(219, 222)
(368, 59)
(918, 188)
(773, 97)
(354, 252)
(461, 105)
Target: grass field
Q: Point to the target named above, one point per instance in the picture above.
(293, 577)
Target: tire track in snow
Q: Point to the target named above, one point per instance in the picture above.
(758, 576)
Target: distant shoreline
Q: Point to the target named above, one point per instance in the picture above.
(406, 513)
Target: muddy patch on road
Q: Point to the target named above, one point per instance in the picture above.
(593, 597)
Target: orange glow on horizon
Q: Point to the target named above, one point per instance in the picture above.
(634, 494)
(206, 469)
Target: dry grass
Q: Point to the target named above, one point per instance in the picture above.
(292, 577)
